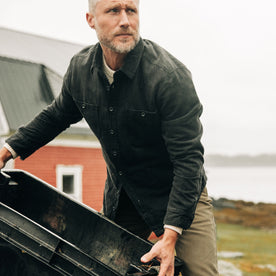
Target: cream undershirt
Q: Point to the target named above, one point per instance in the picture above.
(108, 71)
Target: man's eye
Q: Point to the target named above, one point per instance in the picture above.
(115, 10)
(131, 11)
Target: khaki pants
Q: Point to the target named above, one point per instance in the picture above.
(196, 246)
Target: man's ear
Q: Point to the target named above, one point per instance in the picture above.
(90, 20)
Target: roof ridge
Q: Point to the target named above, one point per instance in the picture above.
(22, 61)
(13, 59)
(41, 36)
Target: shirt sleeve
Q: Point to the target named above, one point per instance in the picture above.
(174, 228)
(182, 130)
(11, 150)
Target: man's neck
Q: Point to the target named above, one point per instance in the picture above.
(114, 60)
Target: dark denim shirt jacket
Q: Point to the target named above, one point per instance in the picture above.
(148, 125)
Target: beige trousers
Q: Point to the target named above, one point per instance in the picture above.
(196, 246)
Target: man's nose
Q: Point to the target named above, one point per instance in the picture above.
(124, 21)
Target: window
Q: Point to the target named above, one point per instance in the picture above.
(69, 180)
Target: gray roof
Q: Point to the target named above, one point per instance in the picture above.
(25, 90)
(54, 54)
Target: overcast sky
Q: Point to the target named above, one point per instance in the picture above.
(229, 46)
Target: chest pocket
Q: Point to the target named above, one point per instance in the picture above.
(143, 127)
(90, 113)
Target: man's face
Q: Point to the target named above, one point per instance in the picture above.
(116, 23)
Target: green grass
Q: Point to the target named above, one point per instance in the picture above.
(258, 247)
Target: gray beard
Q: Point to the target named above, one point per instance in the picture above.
(121, 48)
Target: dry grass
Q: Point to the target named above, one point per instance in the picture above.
(251, 229)
(259, 215)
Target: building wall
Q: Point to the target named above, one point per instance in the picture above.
(43, 165)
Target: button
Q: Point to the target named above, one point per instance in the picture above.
(83, 106)
(114, 153)
(143, 114)
(113, 208)
(111, 131)
(111, 109)
(120, 173)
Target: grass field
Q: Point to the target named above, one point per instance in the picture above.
(258, 247)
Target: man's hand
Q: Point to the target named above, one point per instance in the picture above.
(2, 165)
(163, 251)
(5, 156)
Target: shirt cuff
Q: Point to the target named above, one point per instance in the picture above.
(10, 149)
(174, 228)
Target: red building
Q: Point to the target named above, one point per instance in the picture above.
(76, 170)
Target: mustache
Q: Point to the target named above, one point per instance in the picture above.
(125, 31)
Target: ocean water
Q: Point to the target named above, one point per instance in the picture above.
(256, 184)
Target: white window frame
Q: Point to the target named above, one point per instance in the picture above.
(76, 172)
(4, 126)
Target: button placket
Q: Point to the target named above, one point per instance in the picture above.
(112, 127)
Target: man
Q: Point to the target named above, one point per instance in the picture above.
(141, 104)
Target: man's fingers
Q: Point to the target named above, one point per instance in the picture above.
(170, 271)
(166, 269)
(147, 257)
(164, 255)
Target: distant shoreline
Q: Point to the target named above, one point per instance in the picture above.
(228, 199)
(217, 160)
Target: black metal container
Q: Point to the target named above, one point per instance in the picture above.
(63, 235)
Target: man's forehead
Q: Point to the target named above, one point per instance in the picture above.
(123, 2)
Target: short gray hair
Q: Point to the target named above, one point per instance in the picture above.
(92, 5)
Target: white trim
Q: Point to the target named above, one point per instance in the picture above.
(2, 141)
(75, 143)
(10, 164)
(76, 172)
(4, 126)
(10, 149)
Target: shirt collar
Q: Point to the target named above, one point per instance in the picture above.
(131, 62)
(96, 57)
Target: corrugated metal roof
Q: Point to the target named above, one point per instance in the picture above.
(24, 90)
(54, 54)
(55, 81)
